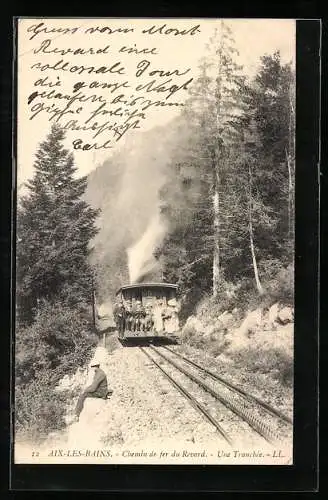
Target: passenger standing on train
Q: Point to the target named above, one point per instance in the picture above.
(140, 314)
(166, 315)
(119, 316)
(149, 322)
(128, 315)
(172, 323)
(157, 313)
(133, 315)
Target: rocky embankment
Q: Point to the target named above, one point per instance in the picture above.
(254, 350)
(266, 327)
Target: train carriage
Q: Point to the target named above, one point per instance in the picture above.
(147, 309)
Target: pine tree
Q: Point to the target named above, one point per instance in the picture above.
(54, 228)
(260, 182)
(215, 105)
(271, 104)
(196, 199)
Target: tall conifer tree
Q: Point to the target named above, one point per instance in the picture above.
(54, 228)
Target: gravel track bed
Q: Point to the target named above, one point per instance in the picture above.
(147, 411)
(146, 407)
(280, 428)
(237, 429)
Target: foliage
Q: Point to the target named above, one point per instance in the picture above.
(38, 409)
(58, 342)
(54, 333)
(281, 287)
(252, 172)
(213, 344)
(54, 229)
(273, 361)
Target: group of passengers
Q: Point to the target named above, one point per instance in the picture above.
(134, 316)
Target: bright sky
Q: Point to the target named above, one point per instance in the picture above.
(253, 37)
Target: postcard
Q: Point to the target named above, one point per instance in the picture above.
(154, 318)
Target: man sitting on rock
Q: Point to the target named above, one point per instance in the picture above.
(98, 389)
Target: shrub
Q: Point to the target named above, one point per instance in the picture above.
(192, 337)
(197, 341)
(188, 332)
(56, 344)
(272, 361)
(39, 410)
(281, 288)
(217, 346)
(210, 307)
(278, 285)
(60, 340)
(269, 268)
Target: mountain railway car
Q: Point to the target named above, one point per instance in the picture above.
(146, 310)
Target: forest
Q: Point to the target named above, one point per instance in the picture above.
(219, 181)
(234, 226)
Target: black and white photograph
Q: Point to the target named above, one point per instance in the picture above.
(154, 288)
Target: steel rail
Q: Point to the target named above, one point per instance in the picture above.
(249, 397)
(254, 422)
(193, 401)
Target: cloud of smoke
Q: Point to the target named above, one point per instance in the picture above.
(141, 260)
(128, 188)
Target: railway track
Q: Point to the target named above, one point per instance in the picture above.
(193, 401)
(249, 409)
(265, 406)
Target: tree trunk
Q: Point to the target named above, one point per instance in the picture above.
(290, 195)
(93, 305)
(256, 272)
(290, 158)
(94, 309)
(251, 237)
(216, 176)
(216, 250)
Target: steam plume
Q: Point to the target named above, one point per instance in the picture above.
(130, 187)
(141, 260)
